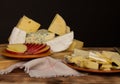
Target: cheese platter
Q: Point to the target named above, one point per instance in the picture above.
(25, 51)
(95, 61)
(90, 70)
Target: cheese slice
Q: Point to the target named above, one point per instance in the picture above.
(82, 53)
(96, 57)
(61, 43)
(17, 36)
(58, 25)
(28, 24)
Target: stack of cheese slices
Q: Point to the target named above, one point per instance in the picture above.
(28, 31)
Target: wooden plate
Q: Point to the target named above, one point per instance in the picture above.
(90, 70)
(24, 56)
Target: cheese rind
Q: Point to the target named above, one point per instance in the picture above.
(28, 24)
(61, 43)
(17, 36)
(58, 25)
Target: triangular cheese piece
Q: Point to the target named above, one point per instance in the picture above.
(61, 43)
(28, 24)
(58, 25)
(17, 36)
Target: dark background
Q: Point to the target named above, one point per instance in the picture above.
(95, 22)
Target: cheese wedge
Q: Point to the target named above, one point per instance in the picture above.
(17, 36)
(40, 36)
(76, 44)
(58, 25)
(67, 29)
(61, 43)
(28, 24)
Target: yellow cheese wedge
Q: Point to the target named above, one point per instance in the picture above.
(67, 29)
(76, 44)
(28, 24)
(58, 25)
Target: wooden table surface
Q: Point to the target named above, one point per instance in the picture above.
(18, 76)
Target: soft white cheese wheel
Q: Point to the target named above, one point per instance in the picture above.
(17, 36)
(62, 42)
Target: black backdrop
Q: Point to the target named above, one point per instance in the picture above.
(95, 22)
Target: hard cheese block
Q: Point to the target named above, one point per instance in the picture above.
(58, 25)
(28, 24)
(17, 36)
(91, 65)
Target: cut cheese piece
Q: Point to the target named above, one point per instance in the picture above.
(58, 25)
(96, 57)
(76, 44)
(28, 24)
(106, 67)
(67, 29)
(91, 65)
(82, 53)
(40, 36)
(61, 43)
(17, 48)
(113, 56)
(17, 36)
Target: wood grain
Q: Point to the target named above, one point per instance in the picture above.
(18, 76)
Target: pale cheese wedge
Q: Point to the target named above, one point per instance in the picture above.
(76, 44)
(17, 36)
(61, 43)
(58, 25)
(67, 29)
(28, 24)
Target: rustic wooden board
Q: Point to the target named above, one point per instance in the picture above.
(18, 76)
